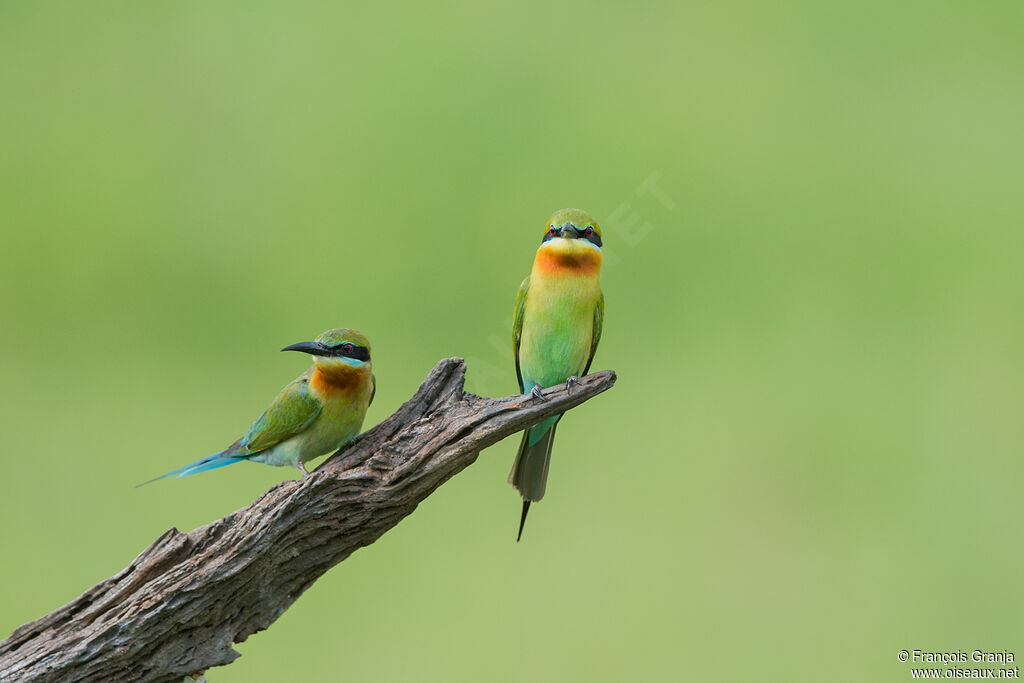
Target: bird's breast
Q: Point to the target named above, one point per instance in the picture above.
(558, 323)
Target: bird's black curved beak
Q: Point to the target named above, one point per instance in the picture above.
(312, 348)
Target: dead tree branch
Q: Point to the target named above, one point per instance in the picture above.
(179, 606)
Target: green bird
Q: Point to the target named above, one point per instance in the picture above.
(318, 412)
(557, 323)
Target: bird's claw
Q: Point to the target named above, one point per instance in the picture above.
(302, 468)
(573, 380)
(535, 392)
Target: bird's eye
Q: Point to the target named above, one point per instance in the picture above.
(589, 231)
(552, 230)
(347, 348)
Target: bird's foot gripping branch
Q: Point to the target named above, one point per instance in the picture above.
(180, 605)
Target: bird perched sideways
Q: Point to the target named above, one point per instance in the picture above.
(320, 411)
(556, 325)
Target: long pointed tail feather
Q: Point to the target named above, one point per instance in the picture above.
(522, 520)
(210, 462)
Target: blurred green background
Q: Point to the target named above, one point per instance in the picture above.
(812, 458)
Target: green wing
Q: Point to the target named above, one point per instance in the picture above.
(373, 392)
(598, 324)
(517, 326)
(290, 413)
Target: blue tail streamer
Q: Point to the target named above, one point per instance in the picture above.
(210, 462)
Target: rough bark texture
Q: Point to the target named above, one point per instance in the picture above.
(179, 606)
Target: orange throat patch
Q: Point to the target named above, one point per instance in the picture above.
(338, 379)
(553, 261)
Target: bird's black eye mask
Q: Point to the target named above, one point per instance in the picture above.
(570, 231)
(351, 351)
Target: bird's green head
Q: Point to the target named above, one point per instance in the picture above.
(572, 224)
(336, 348)
(572, 242)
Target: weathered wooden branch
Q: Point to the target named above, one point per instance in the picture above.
(179, 606)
